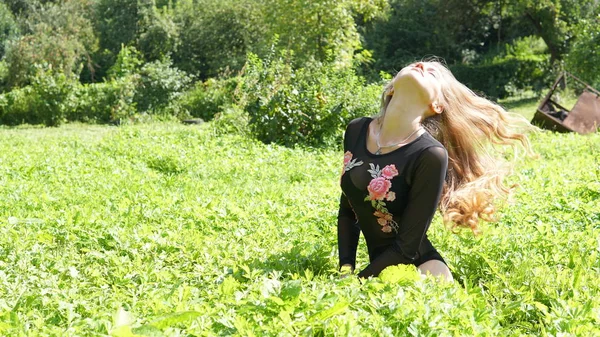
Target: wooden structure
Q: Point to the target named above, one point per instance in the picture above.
(583, 118)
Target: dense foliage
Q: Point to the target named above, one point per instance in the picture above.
(497, 48)
(309, 105)
(168, 230)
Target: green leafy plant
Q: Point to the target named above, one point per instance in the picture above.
(306, 106)
(48, 99)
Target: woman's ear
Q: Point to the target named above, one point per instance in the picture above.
(436, 108)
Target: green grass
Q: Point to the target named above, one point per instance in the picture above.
(525, 106)
(170, 230)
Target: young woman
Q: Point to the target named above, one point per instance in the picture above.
(425, 149)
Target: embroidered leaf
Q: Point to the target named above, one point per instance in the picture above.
(352, 164)
(394, 225)
(375, 171)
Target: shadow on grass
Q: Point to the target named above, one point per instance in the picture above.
(295, 261)
(510, 104)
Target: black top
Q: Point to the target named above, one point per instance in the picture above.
(390, 197)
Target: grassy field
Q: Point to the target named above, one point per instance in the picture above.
(524, 106)
(171, 230)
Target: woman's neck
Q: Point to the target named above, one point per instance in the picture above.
(402, 117)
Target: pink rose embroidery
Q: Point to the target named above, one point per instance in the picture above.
(349, 162)
(389, 171)
(378, 188)
(391, 196)
(347, 157)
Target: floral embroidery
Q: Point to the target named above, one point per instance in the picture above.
(391, 196)
(389, 172)
(379, 191)
(350, 163)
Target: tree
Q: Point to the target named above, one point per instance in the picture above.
(158, 35)
(414, 29)
(8, 27)
(555, 21)
(583, 58)
(58, 35)
(218, 34)
(323, 30)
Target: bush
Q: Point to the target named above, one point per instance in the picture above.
(505, 77)
(232, 120)
(106, 102)
(160, 84)
(525, 65)
(128, 62)
(210, 97)
(3, 75)
(308, 106)
(46, 101)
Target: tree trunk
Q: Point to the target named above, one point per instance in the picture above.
(546, 35)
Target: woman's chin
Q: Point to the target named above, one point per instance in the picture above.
(409, 81)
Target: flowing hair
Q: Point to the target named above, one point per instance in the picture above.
(467, 127)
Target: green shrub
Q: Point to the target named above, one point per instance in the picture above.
(15, 106)
(308, 106)
(231, 120)
(215, 35)
(524, 65)
(159, 85)
(106, 102)
(128, 62)
(505, 77)
(3, 75)
(210, 97)
(46, 101)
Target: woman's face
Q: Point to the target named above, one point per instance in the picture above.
(425, 78)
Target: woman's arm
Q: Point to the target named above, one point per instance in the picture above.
(348, 233)
(424, 195)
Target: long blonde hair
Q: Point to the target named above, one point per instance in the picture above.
(467, 126)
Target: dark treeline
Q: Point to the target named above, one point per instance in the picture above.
(105, 60)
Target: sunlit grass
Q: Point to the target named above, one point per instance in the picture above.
(171, 230)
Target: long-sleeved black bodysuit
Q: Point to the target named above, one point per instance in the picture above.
(391, 198)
